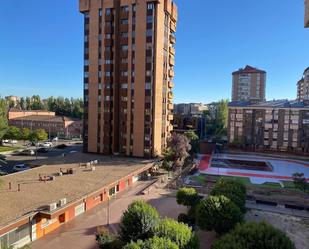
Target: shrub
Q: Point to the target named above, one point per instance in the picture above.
(138, 222)
(218, 213)
(187, 197)
(179, 233)
(254, 235)
(233, 190)
(107, 241)
(184, 218)
(153, 243)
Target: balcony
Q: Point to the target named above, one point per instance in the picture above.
(170, 117)
(172, 61)
(171, 73)
(173, 26)
(170, 95)
(171, 84)
(172, 39)
(169, 128)
(172, 50)
(170, 107)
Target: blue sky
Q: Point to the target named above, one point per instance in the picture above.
(41, 47)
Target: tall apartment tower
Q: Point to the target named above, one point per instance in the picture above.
(128, 75)
(249, 84)
(303, 87)
(306, 13)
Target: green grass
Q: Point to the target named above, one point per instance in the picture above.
(200, 179)
(7, 148)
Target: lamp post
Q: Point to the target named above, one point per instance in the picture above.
(108, 199)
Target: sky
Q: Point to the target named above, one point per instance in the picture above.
(41, 47)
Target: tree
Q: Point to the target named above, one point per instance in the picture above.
(254, 235)
(3, 118)
(179, 233)
(24, 134)
(179, 147)
(218, 213)
(138, 222)
(191, 135)
(12, 133)
(105, 240)
(153, 243)
(38, 135)
(187, 197)
(300, 181)
(233, 190)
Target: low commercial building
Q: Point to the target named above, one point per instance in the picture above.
(279, 125)
(38, 201)
(55, 126)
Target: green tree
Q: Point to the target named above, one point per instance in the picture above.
(254, 235)
(3, 118)
(218, 213)
(187, 197)
(12, 133)
(191, 135)
(300, 182)
(105, 240)
(153, 243)
(36, 103)
(233, 190)
(179, 233)
(24, 134)
(138, 222)
(38, 135)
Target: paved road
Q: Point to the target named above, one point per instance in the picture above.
(79, 233)
(43, 158)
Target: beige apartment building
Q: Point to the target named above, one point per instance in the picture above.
(306, 13)
(249, 84)
(128, 75)
(279, 125)
(303, 87)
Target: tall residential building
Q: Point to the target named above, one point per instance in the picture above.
(303, 87)
(307, 13)
(128, 75)
(279, 125)
(249, 84)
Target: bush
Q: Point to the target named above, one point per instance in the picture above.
(177, 232)
(218, 213)
(153, 243)
(254, 235)
(233, 190)
(184, 218)
(138, 222)
(187, 197)
(107, 241)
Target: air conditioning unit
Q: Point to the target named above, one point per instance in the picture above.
(52, 207)
(62, 202)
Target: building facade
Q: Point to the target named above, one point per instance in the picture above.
(280, 125)
(306, 13)
(303, 87)
(249, 84)
(191, 108)
(128, 75)
(55, 126)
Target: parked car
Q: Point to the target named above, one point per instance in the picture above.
(20, 167)
(47, 144)
(27, 152)
(12, 141)
(5, 141)
(42, 150)
(55, 139)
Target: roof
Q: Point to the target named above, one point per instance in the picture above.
(270, 104)
(18, 110)
(35, 194)
(248, 69)
(46, 118)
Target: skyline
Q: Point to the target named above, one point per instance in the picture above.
(53, 56)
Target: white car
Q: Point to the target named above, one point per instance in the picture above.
(48, 144)
(55, 139)
(12, 141)
(20, 167)
(6, 141)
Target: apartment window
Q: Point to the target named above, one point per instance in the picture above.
(124, 73)
(124, 47)
(107, 74)
(124, 35)
(123, 98)
(150, 6)
(108, 36)
(125, 8)
(100, 37)
(149, 19)
(125, 21)
(108, 12)
(100, 86)
(148, 73)
(86, 38)
(108, 62)
(124, 85)
(86, 74)
(107, 98)
(108, 49)
(87, 15)
(134, 8)
(86, 86)
(149, 32)
(148, 86)
(100, 12)
(86, 62)
(124, 60)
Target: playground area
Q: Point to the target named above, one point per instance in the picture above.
(258, 169)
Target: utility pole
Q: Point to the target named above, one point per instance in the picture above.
(108, 198)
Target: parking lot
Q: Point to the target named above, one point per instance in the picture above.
(51, 155)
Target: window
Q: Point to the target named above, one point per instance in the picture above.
(108, 12)
(124, 60)
(124, 47)
(123, 98)
(86, 38)
(107, 74)
(149, 32)
(125, 21)
(86, 74)
(86, 86)
(124, 34)
(125, 8)
(86, 62)
(124, 73)
(108, 62)
(148, 86)
(108, 36)
(100, 86)
(107, 98)
(100, 12)
(87, 15)
(124, 85)
(149, 19)
(150, 6)
(148, 73)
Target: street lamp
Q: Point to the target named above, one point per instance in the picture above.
(108, 200)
